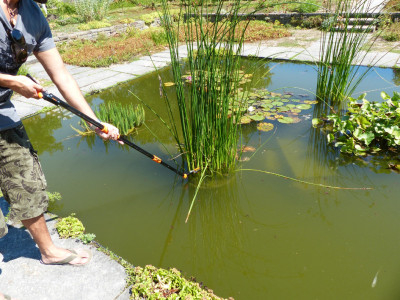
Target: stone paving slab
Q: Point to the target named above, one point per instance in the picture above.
(96, 77)
(157, 58)
(23, 277)
(107, 82)
(134, 68)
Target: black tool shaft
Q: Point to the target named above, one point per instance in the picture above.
(56, 101)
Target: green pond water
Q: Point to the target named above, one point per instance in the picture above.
(250, 235)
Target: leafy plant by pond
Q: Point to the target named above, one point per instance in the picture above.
(125, 117)
(72, 227)
(152, 283)
(368, 127)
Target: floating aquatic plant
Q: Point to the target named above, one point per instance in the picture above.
(368, 127)
(285, 108)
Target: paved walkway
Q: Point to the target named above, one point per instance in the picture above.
(91, 80)
(21, 274)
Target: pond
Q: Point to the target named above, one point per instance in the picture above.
(250, 235)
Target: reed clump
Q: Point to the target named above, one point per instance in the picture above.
(343, 49)
(210, 107)
(125, 117)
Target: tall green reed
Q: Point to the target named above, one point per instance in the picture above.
(343, 49)
(210, 106)
(125, 117)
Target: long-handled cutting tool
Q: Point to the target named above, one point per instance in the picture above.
(57, 101)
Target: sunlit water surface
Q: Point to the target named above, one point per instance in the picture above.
(250, 235)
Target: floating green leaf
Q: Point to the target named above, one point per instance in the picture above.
(245, 120)
(286, 120)
(257, 117)
(303, 106)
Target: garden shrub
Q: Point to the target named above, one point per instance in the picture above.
(91, 10)
(393, 5)
(60, 8)
(307, 22)
(392, 32)
(308, 6)
(158, 36)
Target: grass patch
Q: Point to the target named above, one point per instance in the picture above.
(94, 25)
(102, 53)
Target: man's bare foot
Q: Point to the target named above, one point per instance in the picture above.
(60, 256)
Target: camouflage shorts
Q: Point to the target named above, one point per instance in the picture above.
(21, 177)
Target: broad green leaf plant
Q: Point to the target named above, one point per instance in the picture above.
(368, 127)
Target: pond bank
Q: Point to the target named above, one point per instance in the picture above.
(93, 80)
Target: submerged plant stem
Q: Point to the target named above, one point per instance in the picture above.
(306, 182)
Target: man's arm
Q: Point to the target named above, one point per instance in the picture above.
(69, 89)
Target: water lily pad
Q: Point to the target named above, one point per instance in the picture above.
(283, 109)
(303, 106)
(277, 103)
(286, 120)
(295, 110)
(266, 105)
(295, 100)
(257, 117)
(291, 105)
(267, 101)
(245, 120)
(169, 84)
(263, 126)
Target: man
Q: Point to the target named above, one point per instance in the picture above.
(24, 30)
